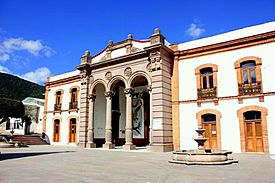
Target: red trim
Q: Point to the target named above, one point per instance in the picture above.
(99, 52)
(141, 41)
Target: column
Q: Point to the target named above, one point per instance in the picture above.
(91, 143)
(108, 129)
(149, 89)
(129, 125)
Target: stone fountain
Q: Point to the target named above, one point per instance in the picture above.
(201, 156)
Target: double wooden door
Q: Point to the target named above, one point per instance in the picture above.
(211, 134)
(72, 133)
(253, 136)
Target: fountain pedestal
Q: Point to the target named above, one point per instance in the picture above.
(201, 156)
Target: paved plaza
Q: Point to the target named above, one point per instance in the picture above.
(41, 164)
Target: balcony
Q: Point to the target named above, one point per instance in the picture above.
(208, 93)
(250, 89)
(73, 105)
(57, 107)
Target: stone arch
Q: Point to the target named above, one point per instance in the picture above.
(264, 113)
(95, 83)
(139, 73)
(213, 66)
(218, 122)
(258, 61)
(75, 86)
(116, 79)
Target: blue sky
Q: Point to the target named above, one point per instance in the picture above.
(46, 38)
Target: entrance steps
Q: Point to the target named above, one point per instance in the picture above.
(29, 139)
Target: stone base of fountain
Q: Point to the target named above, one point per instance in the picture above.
(203, 157)
(6, 145)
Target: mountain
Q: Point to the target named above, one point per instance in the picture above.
(15, 88)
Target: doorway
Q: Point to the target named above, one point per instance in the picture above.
(72, 130)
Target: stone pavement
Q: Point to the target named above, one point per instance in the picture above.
(62, 164)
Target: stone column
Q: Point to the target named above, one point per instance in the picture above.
(129, 124)
(149, 89)
(108, 129)
(91, 143)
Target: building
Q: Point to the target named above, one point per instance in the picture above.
(34, 109)
(151, 93)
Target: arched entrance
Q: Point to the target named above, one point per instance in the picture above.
(253, 129)
(140, 111)
(72, 130)
(56, 130)
(99, 114)
(209, 124)
(118, 113)
(209, 119)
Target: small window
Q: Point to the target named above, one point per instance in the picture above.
(208, 117)
(248, 70)
(252, 115)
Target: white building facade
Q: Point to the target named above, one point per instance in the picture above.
(226, 86)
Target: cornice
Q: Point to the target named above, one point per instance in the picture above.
(227, 46)
(63, 81)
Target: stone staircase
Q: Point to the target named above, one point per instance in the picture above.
(29, 139)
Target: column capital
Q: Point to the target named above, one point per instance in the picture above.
(129, 91)
(149, 88)
(91, 97)
(109, 94)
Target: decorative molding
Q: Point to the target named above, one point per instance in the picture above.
(129, 91)
(109, 94)
(92, 97)
(149, 67)
(260, 96)
(108, 75)
(155, 61)
(128, 72)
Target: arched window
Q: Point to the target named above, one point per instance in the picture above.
(249, 75)
(56, 130)
(58, 100)
(206, 81)
(74, 98)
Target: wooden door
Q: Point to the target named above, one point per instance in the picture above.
(254, 138)
(56, 130)
(72, 135)
(211, 134)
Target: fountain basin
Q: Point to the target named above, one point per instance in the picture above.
(6, 145)
(202, 157)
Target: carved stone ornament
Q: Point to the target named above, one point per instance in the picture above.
(108, 75)
(128, 91)
(149, 67)
(149, 88)
(109, 94)
(155, 60)
(92, 97)
(128, 72)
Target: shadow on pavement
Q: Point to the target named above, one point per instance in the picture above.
(7, 156)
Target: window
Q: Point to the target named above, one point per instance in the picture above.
(206, 81)
(58, 100)
(207, 78)
(249, 75)
(74, 97)
(248, 72)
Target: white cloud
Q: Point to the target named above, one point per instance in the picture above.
(194, 31)
(4, 69)
(35, 47)
(38, 76)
